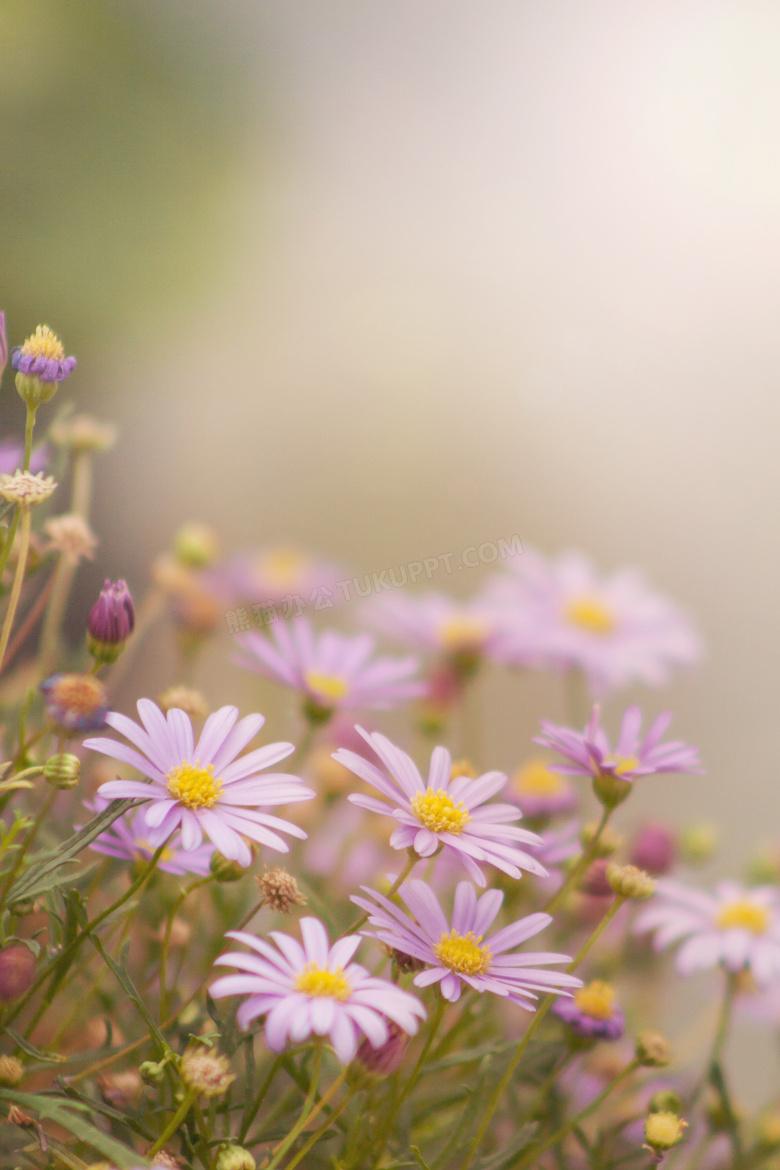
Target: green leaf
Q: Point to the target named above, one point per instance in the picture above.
(510, 1149)
(70, 1115)
(127, 985)
(41, 874)
(31, 1050)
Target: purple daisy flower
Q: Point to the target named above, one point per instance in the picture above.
(435, 623)
(443, 812)
(274, 575)
(454, 951)
(734, 926)
(127, 839)
(203, 788)
(330, 669)
(615, 629)
(541, 792)
(591, 1012)
(589, 752)
(314, 988)
(43, 357)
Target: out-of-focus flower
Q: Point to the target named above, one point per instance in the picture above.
(461, 632)
(314, 988)
(204, 789)
(24, 488)
(592, 1012)
(698, 843)
(127, 839)
(626, 881)
(331, 670)
(454, 952)
(615, 629)
(12, 456)
(196, 545)
(275, 575)
(594, 881)
(111, 621)
(71, 537)
(11, 1071)
(540, 792)
(612, 771)
(734, 926)
(189, 701)
(76, 702)
(662, 1131)
(443, 812)
(82, 432)
(654, 849)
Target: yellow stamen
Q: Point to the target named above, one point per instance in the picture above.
(536, 779)
(43, 343)
(283, 568)
(463, 633)
(743, 914)
(462, 953)
(327, 686)
(462, 768)
(194, 786)
(318, 983)
(591, 614)
(142, 844)
(597, 1000)
(624, 764)
(437, 811)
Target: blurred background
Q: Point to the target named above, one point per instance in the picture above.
(394, 279)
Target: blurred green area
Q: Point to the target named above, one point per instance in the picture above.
(120, 128)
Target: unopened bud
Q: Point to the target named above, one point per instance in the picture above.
(111, 621)
(23, 907)
(594, 880)
(652, 1050)
(62, 771)
(629, 882)
(11, 1071)
(698, 843)
(17, 971)
(225, 870)
(230, 1157)
(152, 1073)
(662, 1131)
(654, 849)
(608, 843)
(279, 890)
(205, 1073)
(387, 1058)
(190, 702)
(196, 546)
(665, 1101)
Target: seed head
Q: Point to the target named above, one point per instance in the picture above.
(629, 882)
(82, 432)
(279, 890)
(25, 488)
(205, 1072)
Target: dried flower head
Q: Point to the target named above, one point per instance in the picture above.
(11, 1071)
(82, 432)
(190, 702)
(629, 882)
(71, 537)
(205, 1073)
(75, 702)
(279, 890)
(26, 488)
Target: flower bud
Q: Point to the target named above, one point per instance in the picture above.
(698, 843)
(11, 1071)
(594, 880)
(387, 1058)
(629, 882)
(279, 890)
(190, 702)
(110, 623)
(17, 971)
(665, 1101)
(41, 365)
(608, 843)
(230, 1157)
(195, 545)
(152, 1073)
(204, 1072)
(662, 1131)
(23, 906)
(225, 870)
(654, 849)
(652, 1050)
(62, 771)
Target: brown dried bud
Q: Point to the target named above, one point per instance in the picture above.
(190, 702)
(172, 1161)
(629, 882)
(17, 1117)
(279, 890)
(652, 1049)
(11, 1071)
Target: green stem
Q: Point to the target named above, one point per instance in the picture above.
(403, 875)
(16, 588)
(251, 1114)
(65, 573)
(28, 842)
(29, 426)
(318, 1133)
(309, 1111)
(173, 1124)
(174, 910)
(586, 857)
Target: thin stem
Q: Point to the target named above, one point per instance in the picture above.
(29, 622)
(173, 1124)
(318, 1133)
(309, 1109)
(16, 588)
(29, 426)
(251, 1114)
(403, 875)
(719, 1040)
(586, 857)
(65, 573)
(28, 842)
(174, 910)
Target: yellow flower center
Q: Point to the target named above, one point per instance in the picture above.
(536, 779)
(591, 614)
(462, 768)
(318, 983)
(80, 695)
(283, 568)
(194, 786)
(142, 844)
(462, 953)
(597, 1000)
(624, 764)
(330, 687)
(437, 811)
(744, 914)
(43, 343)
(463, 633)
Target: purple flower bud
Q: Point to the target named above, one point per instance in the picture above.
(17, 971)
(111, 622)
(654, 849)
(595, 881)
(384, 1060)
(3, 345)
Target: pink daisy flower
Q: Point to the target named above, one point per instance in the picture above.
(330, 669)
(734, 926)
(589, 753)
(314, 989)
(615, 629)
(454, 951)
(435, 623)
(203, 788)
(127, 839)
(275, 575)
(443, 812)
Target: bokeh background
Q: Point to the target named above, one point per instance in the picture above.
(392, 279)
